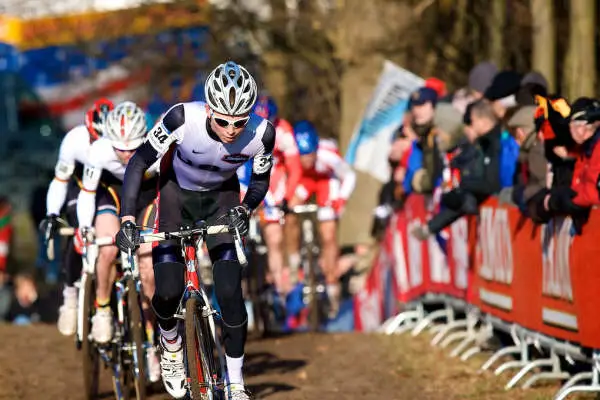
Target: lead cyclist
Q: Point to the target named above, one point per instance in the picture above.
(202, 145)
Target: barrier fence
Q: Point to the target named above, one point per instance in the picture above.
(495, 272)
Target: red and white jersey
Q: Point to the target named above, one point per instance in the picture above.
(331, 165)
(287, 171)
(285, 144)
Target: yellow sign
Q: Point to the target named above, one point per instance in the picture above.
(10, 30)
(73, 29)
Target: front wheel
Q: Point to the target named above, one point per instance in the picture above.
(137, 369)
(90, 355)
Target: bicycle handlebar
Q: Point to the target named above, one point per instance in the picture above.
(202, 231)
(70, 231)
(304, 209)
(103, 241)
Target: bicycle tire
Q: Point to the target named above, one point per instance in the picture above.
(136, 336)
(90, 356)
(313, 304)
(256, 283)
(202, 371)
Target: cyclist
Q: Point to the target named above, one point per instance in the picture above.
(326, 175)
(72, 156)
(285, 177)
(124, 133)
(209, 141)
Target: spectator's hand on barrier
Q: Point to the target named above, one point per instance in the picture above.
(128, 237)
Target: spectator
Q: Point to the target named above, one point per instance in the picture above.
(531, 180)
(480, 79)
(577, 200)
(424, 165)
(502, 92)
(479, 165)
(533, 84)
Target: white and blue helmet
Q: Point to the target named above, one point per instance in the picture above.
(230, 89)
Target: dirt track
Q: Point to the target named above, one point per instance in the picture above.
(37, 363)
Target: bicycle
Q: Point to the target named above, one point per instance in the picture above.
(125, 354)
(85, 305)
(204, 373)
(314, 291)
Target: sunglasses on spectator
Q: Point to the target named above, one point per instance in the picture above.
(225, 123)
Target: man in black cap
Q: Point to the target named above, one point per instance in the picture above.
(583, 193)
(502, 92)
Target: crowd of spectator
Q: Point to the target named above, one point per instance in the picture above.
(502, 135)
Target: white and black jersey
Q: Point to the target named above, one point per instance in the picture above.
(200, 161)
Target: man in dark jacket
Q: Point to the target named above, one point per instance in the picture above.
(479, 165)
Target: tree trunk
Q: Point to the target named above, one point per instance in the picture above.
(544, 40)
(497, 22)
(580, 68)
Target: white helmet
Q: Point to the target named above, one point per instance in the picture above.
(230, 89)
(126, 126)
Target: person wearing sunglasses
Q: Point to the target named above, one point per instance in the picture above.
(98, 205)
(63, 191)
(201, 146)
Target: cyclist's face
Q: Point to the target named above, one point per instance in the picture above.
(124, 155)
(228, 128)
(308, 161)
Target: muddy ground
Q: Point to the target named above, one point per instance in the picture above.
(36, 362)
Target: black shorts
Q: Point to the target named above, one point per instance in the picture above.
(179, 207)
(108, 201)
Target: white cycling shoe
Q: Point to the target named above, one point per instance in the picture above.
(102, 325)
(67, 314)
(173, 372)
(153, 365)
(235, 391)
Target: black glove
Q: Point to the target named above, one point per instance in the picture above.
(239, 217)
(49, 227)
(128, 237)
(284, 207)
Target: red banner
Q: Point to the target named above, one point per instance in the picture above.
(543, 278)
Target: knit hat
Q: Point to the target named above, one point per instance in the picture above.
(481, 76)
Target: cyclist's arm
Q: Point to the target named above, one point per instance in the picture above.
(57, 191)
(344, 172)
(168, 130)
(292, 166)
(86, 201)
(261, 170)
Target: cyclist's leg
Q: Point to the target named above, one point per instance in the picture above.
(146, 219)
(272, 229)
(106, 224)
(227, 275)
(273, 233)
(304, 190)
(169, 287)
(327, 192)
(67, 318)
